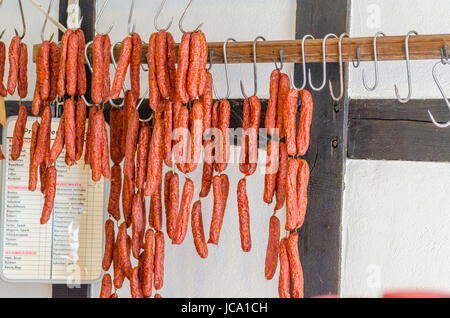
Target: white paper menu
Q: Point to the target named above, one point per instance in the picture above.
(68, 249)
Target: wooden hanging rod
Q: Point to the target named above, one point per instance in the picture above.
(390, 48)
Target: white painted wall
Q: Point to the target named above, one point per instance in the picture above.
(395, 216)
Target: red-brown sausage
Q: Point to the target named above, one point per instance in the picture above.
(156, 209)
(207, 101)
(166, 189)
(284, 280)
(291, 195)
(36, 104)
(183, 67)
(59, 142)
(33, 170)
(224, 124)
(181, 135)
(154, 94)
(80, 127)
(168, 127)
(195, 59)
(243, 159)
(109, 245)
(306, 114)
(129, 107)
(61, 87)
(127, 196)
(114, 195)
(119, 275)
(290, 111)
(89, 135)
(3, 91)
(171, 61)
(197, 230)
(135, 284)
(283, 89)
(54, 70)
(22, 87)
(106, 61)
(50, 191)
(244, 216)
(202, 73)
(19, 132)
(255, 119)
(272, 247)
(115, 134)
(96, 146)
(281, 177)
(142, 156)
(13, 57)
(154, 172)
(106, 169)
(148, 264)
(106, 290)
(70, 128)
(97, 67)
(302, 191)
(270, 179)
(196, 130)
(72, 65)
(173, 206)
(159, 260)
(41, 147)
(162, 71)
(295, 266)
(81, 69)
(135, 64)
(218, 210)
(122, 66)
(208, 169)
(124, 252)
(271, 113)
(137, 225)
(183, 215)
(131, 142)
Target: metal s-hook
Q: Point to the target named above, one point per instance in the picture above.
(308, 36)
(225, 58)
(375, 54)
(97, 19)
(358, 56)
(408, 71)
(180, 23)
(341, 71)
(255, 69)
(210, 57)
(45, 22)
(139, 105)
(158, 13)
(23, 21)
(131, 24)
(324, 50)
(441, 89)
(281, 54)
(444, 54)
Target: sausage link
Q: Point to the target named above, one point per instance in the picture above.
(255, 120)
(3, 91)
(97, 67)
(33, 170)
(106, 290)
(291, 195)
(127, 196)
(195, 59)
(72, 65)
(142, 156)
(19, 132)
(81, 71)
(284, 280)
(131, 142)
(183, 67)
(154, 94)
(207, 101)
(124, 252)
(171, 61)
(183, 215)
(167, 177)
(137, 225)
(218, 211)
(109, 245)
(41, 147)
(270, 179)
(89, 136)
(50, 191)
(302, 191)
(202, 73)
(122, 66)
(162, 71)
(54, 70)
(181, 134)
(154, 172)
(13, 57)
(36, 104)
(70, 129)
(281, 177)
(173, 205)
(244, 216)
(22, 87)
(43, 175)
(158, 296)
(283, 89)
(148, 264)
(271, 113)
(197, 230)
(97, 147)
(80, 127)
(105, 64)
(224, 124)
(304, 129)
(135, 64)
(290, 111)
(159, 260)
(196, 130)
(135, 284)
(208, 169)
(115, 134)
(129, 107)
(59, 142)
(106, 169)
(168, 127)
(272, 247)
(156, 209)
(61, 86)
(243, 159)
(114, 195)
(119, 275)
(295, 266)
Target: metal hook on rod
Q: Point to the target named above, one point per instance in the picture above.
(281, 54)
(408, 71)
(441, 89)
(23, 22)
(131, 24)
(341, 72)
(255, 69)
(97, 19)
(308, 36)
(375, 58)
(225, 58)
(358, 56)
(158, 13)
(180, 23)
(45, 22)
(324, 50)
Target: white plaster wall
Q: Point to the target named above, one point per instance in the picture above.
(395, 217)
